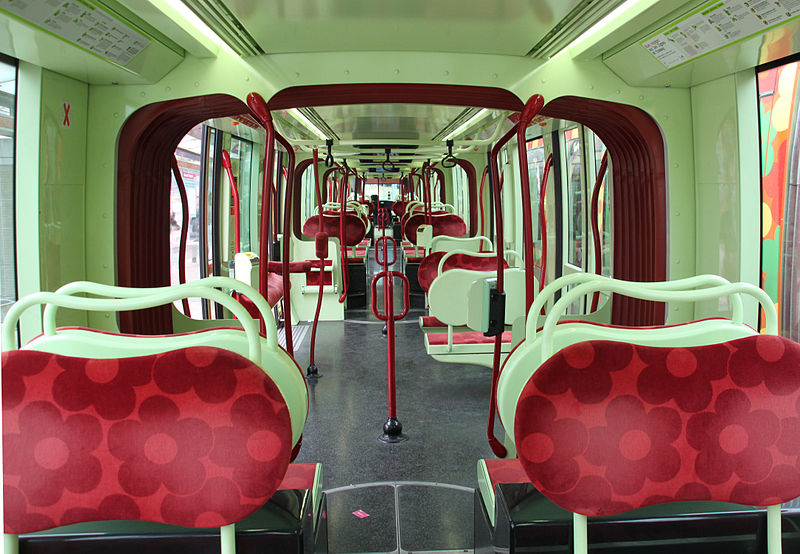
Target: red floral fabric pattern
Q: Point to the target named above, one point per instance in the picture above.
(605, 427)
(71, 456)
(429, 266)
(443, 224)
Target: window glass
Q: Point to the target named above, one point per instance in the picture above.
(604, 222)
(535, 153)
(780, 186)
(241, 166)
(8, 266)
(575, 197)
(188, 155)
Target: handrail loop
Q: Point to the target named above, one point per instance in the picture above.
(329, 157)
(449, 161)
(388, 162)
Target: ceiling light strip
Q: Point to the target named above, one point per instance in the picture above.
(467, 124)
(300, 116)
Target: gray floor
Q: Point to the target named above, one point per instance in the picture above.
(443, 410)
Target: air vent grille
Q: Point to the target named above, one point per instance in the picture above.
(576, 22)
(220, 19)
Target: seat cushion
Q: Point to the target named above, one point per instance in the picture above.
(436, 339)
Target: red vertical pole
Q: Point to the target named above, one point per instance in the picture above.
(595, 217)
(532, 107)
(259, 108)
(321, 240)
(226, 163)
(543, 218)
(287, 221)
(392, 429)
(184, 230)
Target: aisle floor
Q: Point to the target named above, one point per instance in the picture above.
(443, 410)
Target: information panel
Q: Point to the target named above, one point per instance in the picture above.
(716, 24)
(83, 24)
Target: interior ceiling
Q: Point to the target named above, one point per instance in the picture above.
(506, 27)
(413, 132)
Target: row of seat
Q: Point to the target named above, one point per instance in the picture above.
(196, 429)
(606, 420)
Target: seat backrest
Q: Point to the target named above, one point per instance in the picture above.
(605, 427)
(198, 437)
(355, 228)
(525, 360)
(265, 351)
(443, 224)
(449, 297)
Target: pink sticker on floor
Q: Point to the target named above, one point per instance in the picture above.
(360, 514)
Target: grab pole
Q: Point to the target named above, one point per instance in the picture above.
(184, 230)
(321, 249)
(392, 429)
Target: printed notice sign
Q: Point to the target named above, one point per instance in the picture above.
(82, 24)
(716, 24)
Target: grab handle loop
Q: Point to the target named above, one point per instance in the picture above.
(379, 246)
(329, 157)
(374, 286)
(387, 165)
(449, 161)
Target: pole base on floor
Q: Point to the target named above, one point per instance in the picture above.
(385, 330)
(312, 371)
(392, 431)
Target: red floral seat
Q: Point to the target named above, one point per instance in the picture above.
(354, 227)
(443, 224)
(605, 427)
(198, 437)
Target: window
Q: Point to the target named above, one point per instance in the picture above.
(460, 198)
(575, 198)
(780, 193)
(188, 155)
(535, 153)
(8, 266)
(604, 222)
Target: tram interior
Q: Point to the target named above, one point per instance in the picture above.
(432, 278)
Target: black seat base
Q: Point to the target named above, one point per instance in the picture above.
(284, 524)
(526, 521)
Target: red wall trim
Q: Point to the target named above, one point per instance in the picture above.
(146, 145)
(394, 93)
(638, 159)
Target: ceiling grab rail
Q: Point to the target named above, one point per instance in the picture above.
(287, 221)
(543, 218)
(321, 243)
(498, 449)
(259, 107)
(532, 107)
(184, 231)
(480, 198)
(595, 219)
